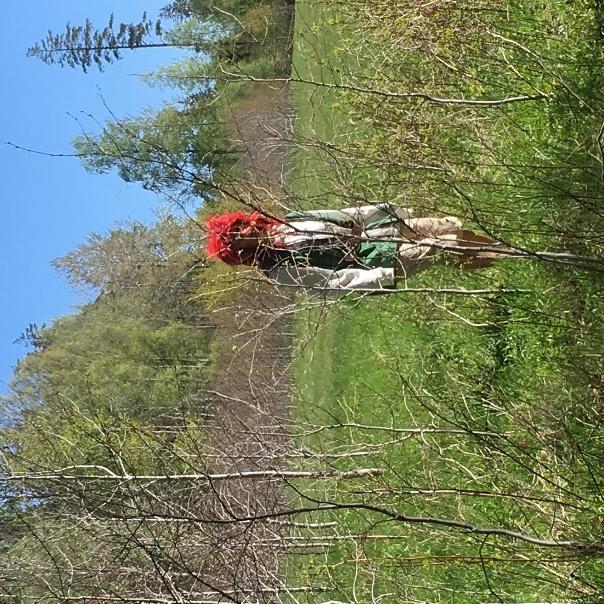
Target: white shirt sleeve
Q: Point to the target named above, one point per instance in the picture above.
(331, 282)
(362, 215)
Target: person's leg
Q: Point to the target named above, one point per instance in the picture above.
(416, 229)
(448, 229)
(417, 256)
(431, 238)
(469, 238)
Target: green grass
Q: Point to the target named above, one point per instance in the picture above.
(516, 376)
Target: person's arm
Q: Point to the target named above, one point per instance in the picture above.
(360, 215)
(334, 282)
(369, 214)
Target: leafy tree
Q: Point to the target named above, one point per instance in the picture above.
(130, 256)
(116, 385)
(103, 359)
(142, 344)
(221, 10)
(145, 272)
(82, 45)
(236, 29)
(174, 151)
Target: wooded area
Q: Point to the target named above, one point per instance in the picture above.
(197, 435)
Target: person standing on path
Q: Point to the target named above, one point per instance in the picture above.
(369, 248)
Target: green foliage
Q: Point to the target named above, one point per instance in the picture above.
(139, 350)
(524, 367)
(130, 256)
(102, 357)
(81, 46)
(116, 388)
(175, 151)
(234, 34)
(189, 75)
(196, 33)
(224, 11)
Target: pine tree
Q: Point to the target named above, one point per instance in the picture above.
(82, 45)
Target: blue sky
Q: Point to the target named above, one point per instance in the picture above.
(49, 205)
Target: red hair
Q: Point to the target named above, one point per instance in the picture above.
(225, 228)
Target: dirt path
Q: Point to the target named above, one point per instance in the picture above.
(251, 392)
(260, 124)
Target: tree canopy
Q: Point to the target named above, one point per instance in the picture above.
(174, 151)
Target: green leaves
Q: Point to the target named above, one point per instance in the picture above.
(174, 151)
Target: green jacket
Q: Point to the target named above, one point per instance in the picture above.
(330, 254)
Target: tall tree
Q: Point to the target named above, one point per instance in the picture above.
(126, 257)
(142, 343)
(82, 45)
(175, 151)
(216, 33)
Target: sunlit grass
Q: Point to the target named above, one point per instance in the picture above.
(517, 373)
